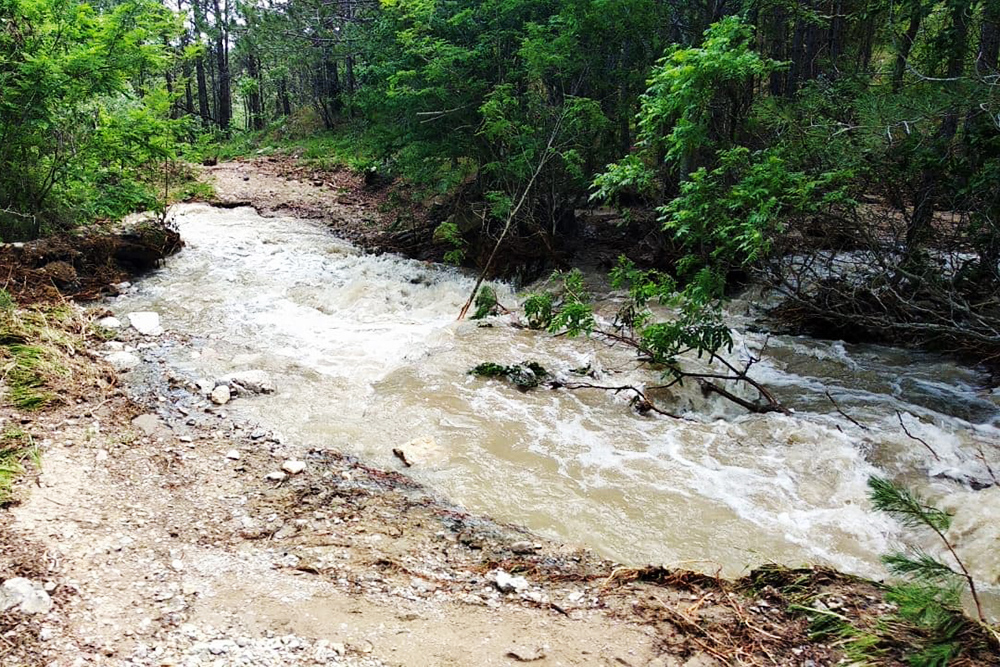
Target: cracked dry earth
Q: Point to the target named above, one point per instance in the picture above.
(169, 546)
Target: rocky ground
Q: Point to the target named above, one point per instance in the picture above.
(160, 530)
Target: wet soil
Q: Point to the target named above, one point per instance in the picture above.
(86, 265)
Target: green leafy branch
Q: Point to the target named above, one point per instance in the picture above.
(913, 512)
(697, 329)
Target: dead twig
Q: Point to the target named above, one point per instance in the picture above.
(844, 414)
(899, 416)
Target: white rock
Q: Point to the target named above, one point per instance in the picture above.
(110, 323)
(293, 467)
(421, 451)
(276, 476)
(123, 361)
(233, 455)
(146, 323)
(508, 584)
(24, 595)
(220, 395)
(218, 646)
(115, 345)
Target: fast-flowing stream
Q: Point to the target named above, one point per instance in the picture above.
(367, 355)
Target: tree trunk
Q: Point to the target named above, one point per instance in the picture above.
(186, 72)
(204, 110)
(284, 104)
(906, 44)
(255, 106)
(224, 107)
(926, 199)
(989, 40)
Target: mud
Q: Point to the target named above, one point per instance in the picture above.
(84, 266)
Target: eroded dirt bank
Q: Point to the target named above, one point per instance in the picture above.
(168, 532)
(279, 186)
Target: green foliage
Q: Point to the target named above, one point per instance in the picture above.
(575, 315)
(675, 120)
(77, 137)
(526, 375)
(572, 313)
(16, 449)
(905, 506)
(698, 326)
(930, 596)
(937, 611)
(538, 310)
(26, 377)
(448, 232)
(727, 217)
(486, 302)
(30, 359)
(859, 646)
(486, 91)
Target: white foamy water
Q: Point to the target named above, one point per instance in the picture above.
(367, 355)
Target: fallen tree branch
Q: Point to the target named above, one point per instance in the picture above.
(546, 156)
(844, 414)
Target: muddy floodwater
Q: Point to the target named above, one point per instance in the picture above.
(367, 355)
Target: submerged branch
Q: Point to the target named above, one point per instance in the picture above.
(899, 416)
(640, 401)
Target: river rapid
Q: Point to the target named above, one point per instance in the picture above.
(367, 355)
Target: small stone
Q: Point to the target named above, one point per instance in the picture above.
(287, 530)
(276, 476)
(293, 467)
(233, 455)
(110, 323)
(420, 451)
(148, 423)
(526, 654)
(123, 361)
(25, 596)
(250, 382)
(506, 583)
(220, 395)
(218, 647)
(146, 323)
(523, 548)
